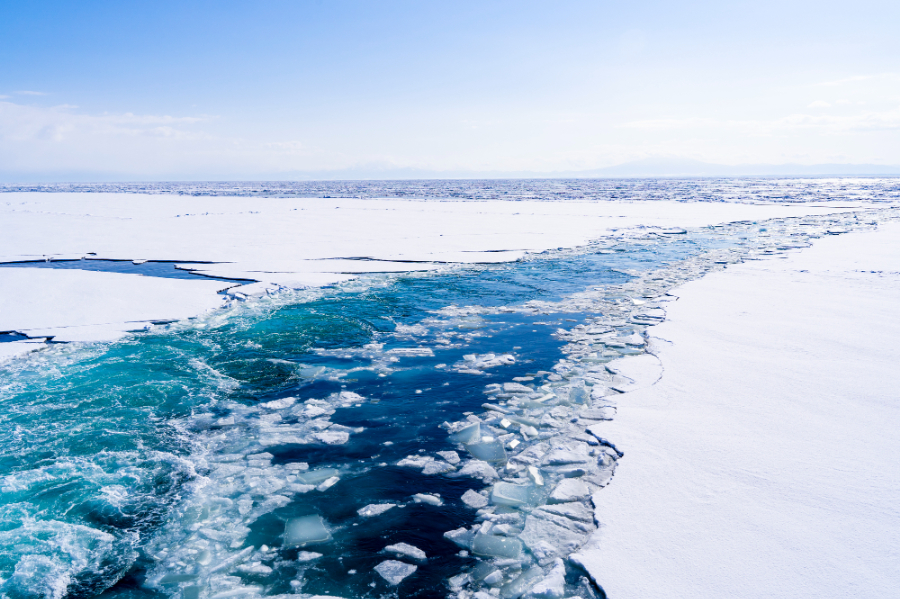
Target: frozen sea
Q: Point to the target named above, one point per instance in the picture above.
(397, 435)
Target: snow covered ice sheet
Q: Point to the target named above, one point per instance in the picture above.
(764, 461)
(289, 242)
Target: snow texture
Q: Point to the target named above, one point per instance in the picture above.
(280, 242)
(763, 463)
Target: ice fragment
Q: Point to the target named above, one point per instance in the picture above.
(394, 572)
(474, 500)
(407, 550)
(307, 530)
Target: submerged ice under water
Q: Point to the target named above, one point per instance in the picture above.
(416, 436)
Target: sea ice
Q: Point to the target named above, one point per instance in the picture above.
(570, 489)
(491, 546)
(488, 451)
(450, 456)
(469, 434)
(512, 495)
(407, 550)
(308, 556)
(306, 530)
(479, 469)
(429, 499)
(332, 438)
(474, 500)
(553, 585)
(375, 509)
(437, 467)
(394, 572)
(317, 476)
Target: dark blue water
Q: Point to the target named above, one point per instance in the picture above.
(151, 268)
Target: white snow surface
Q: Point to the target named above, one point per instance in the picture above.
(764, 462)
(292, 242)
(80, 305)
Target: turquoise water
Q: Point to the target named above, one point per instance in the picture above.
(134, 468)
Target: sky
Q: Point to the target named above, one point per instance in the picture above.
(279, 89)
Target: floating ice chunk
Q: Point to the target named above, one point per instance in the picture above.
(254, 568)
(411, 351)
(451, 456)
(416, 461)
(249, 590)
(553, 585)
(477, 362)
(474, 500)
(375, 509)
(437, 467)
(571, 453)
(578, 395)
(570, 489)
(407, 550)
(308, 556)
(317, 476)
(279, 404)
(522, 584)
(328, 483)
(516, 388)
(307, 530)
(490, 546)
(461, 536)
(350, 396)
(394, 572)
(469, 434)
(512, 495)
(429, 499)
(488, 451)
(493, 579)
(479, 469)
(315, 411)
(232, 561)
(560, 534)
(332, 438)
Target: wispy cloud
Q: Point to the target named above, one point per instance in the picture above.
(862, 121)
(25, 92)
(819, 104)
(860, 78)
(20, 122)
(33, 138)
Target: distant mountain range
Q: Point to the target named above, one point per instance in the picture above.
(648, 167)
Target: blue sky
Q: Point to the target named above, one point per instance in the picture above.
(229, 90)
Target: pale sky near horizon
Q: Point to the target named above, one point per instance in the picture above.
(230, 90)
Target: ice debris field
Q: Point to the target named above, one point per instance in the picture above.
(407, 397)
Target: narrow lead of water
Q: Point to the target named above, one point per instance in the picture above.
(317, 444)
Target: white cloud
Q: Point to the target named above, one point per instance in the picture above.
(30, 93)
(861, 78)
(62, 138)
(862, 121)
(819, 104)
